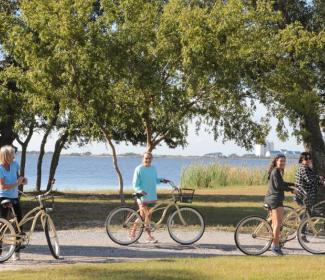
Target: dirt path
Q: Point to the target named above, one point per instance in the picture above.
(94, 246)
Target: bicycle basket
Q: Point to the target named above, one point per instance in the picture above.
(186, 195)
(48, 203)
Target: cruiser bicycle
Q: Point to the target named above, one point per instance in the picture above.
(253, 235)
(11, 234)
(185, 224)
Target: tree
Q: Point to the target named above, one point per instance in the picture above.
(179, 62)
(288, 75)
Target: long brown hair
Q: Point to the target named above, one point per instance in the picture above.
(304, 156)
(273, 164)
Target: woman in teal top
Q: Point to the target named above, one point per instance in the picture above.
(9, 182)
(145, 180)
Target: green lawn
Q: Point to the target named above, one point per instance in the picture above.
(221, 208)
(278, 268)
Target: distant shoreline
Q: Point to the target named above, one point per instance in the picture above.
(88, 154)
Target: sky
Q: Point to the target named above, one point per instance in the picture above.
(198, 144)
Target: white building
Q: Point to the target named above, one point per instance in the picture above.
(261, 150)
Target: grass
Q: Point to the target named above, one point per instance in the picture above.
(232, 267)
(216, 175)
(222, 208)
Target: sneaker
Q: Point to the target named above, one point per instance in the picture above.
(304, 239)
(277, 251)
(16, 256)
(152, 241)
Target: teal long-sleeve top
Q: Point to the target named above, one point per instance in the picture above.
(145, 179)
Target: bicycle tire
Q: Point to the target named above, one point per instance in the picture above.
(244, 247)
(172, 220)
(113, 221)
(306, 235)
(51, 237)
(10, 237)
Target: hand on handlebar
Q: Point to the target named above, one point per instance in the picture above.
(165, 181)
(20, 180)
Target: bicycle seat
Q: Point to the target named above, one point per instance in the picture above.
(137, 195)
(6, 203)
(267, 207)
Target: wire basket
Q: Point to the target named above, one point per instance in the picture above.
(48, 203)
(185, 195)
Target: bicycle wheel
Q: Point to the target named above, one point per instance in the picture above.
(51, 237)
(124, 225)
(7, 240)
(290, 223)
(311, 235)
(253, 235)
(185, 226)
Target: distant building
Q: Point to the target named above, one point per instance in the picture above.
(233, 156)
(215, 155)
(261, 150)
(249, 156)
(272, 153)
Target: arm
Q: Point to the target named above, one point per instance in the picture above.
(279, 183)
(137, 181)
(3, 186)
(310, 177)
(311, 186)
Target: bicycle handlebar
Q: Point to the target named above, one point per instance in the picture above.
(40, 196)
(300, 191)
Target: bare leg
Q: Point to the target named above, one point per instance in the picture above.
(277, 217)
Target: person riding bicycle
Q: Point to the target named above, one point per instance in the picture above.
(145, 180)
(9, 182)
(308, 180)
(274, 198)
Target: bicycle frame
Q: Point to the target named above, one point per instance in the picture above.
(170, 203)
(32, 215)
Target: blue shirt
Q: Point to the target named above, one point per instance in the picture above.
(10, 177)
(145, 179)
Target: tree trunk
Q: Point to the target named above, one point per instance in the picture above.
(42, 147)
(7, 135)
(24, 145)
(59, 145)
(40, 158)
(23, 159)
(314, 142)
(116, 167)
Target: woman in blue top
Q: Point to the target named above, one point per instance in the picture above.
(9, 182)
(145, 180)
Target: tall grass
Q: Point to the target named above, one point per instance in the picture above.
(216, 175)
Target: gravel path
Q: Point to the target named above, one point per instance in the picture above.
(94, 246)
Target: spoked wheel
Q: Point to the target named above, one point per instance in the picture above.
(185, 226)
(7, 240)
(291, 221)
(253, 235)
(124, 225)
(311, 235)
(51, 237)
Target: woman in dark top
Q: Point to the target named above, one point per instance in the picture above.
(275, 196)
(308, 180)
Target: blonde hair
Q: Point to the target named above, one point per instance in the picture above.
(7, 154)
(148, 153)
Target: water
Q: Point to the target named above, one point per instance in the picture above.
(97, 172)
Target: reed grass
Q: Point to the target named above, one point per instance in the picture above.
(200, 176)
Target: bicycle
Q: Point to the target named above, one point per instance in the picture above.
(185, 224)
(12, 236)
(253, 235)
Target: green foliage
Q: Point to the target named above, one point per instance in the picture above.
(216, 175)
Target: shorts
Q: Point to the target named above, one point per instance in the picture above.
(274, 203)
(149, 204)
